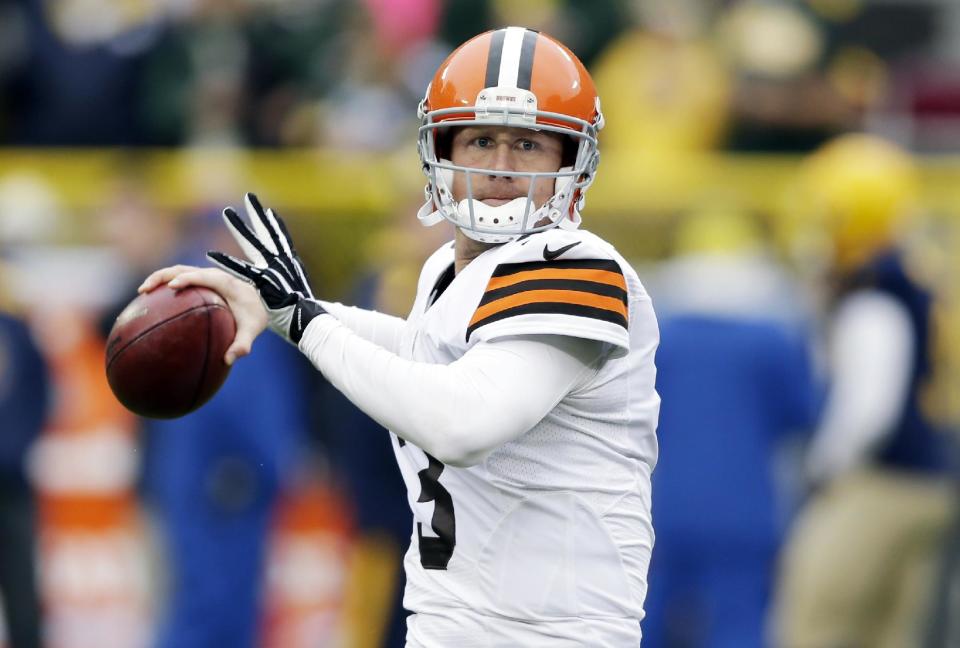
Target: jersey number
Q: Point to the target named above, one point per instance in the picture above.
(435, 553)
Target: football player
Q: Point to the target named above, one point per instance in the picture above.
(520, 389)
(861, 559)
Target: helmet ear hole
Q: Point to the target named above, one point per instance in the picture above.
(443, 142)
(570, 147)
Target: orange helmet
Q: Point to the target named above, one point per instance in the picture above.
(510, 77)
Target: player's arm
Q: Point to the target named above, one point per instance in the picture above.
(381, 329)
(458, 412)
(870, 355)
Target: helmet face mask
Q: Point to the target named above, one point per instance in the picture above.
(578, 118)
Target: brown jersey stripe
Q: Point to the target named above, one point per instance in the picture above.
(555, 284)
(599, 276)
(609, 265)
(550, 308)
(557, 296)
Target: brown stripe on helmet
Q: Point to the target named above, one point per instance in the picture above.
(493, 58)
(527, 49)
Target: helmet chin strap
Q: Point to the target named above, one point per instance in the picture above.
(492, 217)
(427, 215)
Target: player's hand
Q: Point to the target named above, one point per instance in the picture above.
(241, 297)
(273, 268)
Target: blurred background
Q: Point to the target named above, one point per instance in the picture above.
(784, 175)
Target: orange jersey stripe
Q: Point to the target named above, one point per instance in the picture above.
(598, 276)
(561, 296)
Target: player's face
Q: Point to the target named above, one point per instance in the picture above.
(505, 148)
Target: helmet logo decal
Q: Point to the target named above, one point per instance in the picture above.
(491, 103)
(510, 60)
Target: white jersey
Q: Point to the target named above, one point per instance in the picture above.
(550, 535)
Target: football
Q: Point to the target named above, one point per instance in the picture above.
(164, 354)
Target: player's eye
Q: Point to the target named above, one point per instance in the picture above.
(483, 142)
(527, 145)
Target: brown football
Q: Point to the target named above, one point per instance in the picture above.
(165, 351)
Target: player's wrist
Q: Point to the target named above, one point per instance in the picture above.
(304, 312)
(315, 335)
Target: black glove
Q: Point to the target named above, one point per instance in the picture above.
(273, 268)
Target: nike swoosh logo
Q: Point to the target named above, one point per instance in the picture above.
(550, 255)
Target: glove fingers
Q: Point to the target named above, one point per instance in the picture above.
(263, 228)
(281, 239)
(238, 268)
(281, 282)
(273, 289)
(295, 265)
(277, 224)
(251, 245)
(273, 234)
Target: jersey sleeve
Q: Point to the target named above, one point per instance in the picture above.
(581, 292)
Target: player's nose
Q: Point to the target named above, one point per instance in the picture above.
(502, 161)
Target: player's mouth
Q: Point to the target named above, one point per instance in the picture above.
(496, 201)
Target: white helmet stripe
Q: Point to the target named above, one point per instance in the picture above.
(510, 59)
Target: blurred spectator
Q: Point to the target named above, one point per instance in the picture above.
(72, 79)
(137, 230)
(783, 100)
(585, 26)
(24, 396)
(27, 212)
(195, 88)
(807, 71)
(229, 72)
(295, 74)
(859, 566)
(734, 375)
(269, 73)
(664, 88)
(666, 98)
(368, 108)
(924, 104)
